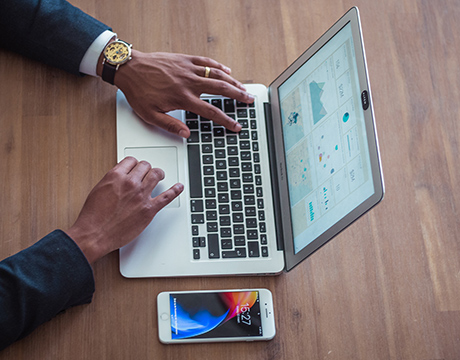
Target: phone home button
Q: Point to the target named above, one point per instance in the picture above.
(164, 316)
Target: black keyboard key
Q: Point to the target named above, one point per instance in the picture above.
(237, 206)
(195, 230)
(244, 123)
(219, 131)
(226, 244)
(235, 183)
(213, 246)
(260, 203)
(258, 180)
(226, 233)
(205, 126)
(211, 204)
(219, 143)
(242, 113)
(211, 215)
(256, 157)
(232, 150)
(224, 221)
(238, 229)
(221, 164)
(224, 209)
(239, 241)
(197, 219)
(217, 103)
(223, 198)
(250, 211)
(208, 159)
(206, 148)
(229, 254)
(220, 154)
(251, 223)
(262, 227)
(199, 241)
(221, 175)
(192, 124)
(229, 105)
(246, 166)
(209, 192)
(211, 227)
(253, 249)
(245, 145)
(249, 200)
(254, 136)
(244, 134)
(264, 251)
(263, 239)
(190, 115)
(238, 217)
(252, 235)
(209, 181)
(194, 166)
(257, 169)
(196, 254)
(196, 205)
(194, 137)
(233, 161)
(232, 140)
(234, 172)
(252, 113)
(208, 170)
(259, 192)
(222, 186)
(248, 178)
(206, 138)
(255, 146)
(235, 195)
(261, 215)
(253, 124)
(245, 155)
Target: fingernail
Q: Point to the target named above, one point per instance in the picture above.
(227, 69)
(250, 97)
(183, 133)
(237, 126)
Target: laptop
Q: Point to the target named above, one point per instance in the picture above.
(304, 167)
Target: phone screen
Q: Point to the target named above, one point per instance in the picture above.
(215, 315)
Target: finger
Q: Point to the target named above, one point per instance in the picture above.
(211, 112)
(126, 165)
(152, 178)
(221, 87)
(205, 61)
(219, 74)
(139, 171)
(168, 123)
(167, 196)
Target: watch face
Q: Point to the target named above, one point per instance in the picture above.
(117, 52)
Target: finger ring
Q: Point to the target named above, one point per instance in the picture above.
(207, 70)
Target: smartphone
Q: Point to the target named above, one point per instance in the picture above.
(215, 316)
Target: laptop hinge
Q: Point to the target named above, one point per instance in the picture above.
(274, 176)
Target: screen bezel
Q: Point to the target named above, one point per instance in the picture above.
(292, 258)
(266, 309)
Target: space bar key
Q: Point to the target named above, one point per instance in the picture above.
(194, 170)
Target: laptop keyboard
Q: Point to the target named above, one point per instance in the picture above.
(227, 206)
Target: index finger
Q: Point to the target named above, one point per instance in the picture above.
(213, 113)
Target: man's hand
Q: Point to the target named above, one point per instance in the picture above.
(119, 208)
(160, 82)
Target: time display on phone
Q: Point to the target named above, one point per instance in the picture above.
(215, 314)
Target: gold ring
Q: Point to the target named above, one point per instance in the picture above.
(207, 71)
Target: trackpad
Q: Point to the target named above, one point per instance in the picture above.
(163, 157)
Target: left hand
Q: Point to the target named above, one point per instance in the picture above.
(156, 83)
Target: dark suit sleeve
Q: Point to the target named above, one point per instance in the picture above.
(50, 31)
(39, 282)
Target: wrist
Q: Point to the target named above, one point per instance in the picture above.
(87, 242)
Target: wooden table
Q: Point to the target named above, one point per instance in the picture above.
(386, 288)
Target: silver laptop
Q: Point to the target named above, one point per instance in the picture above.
(304, 167)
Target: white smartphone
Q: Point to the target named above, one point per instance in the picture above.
(215, 316)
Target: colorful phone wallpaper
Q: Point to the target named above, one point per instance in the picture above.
(211, 315)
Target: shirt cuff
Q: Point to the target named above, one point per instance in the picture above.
(88, 64)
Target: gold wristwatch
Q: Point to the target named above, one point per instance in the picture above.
(116, 53)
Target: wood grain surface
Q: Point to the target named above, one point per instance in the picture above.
(388, 287)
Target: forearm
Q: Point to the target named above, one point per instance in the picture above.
(39, 282)
(50, 31)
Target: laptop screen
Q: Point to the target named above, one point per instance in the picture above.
(326, 145)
